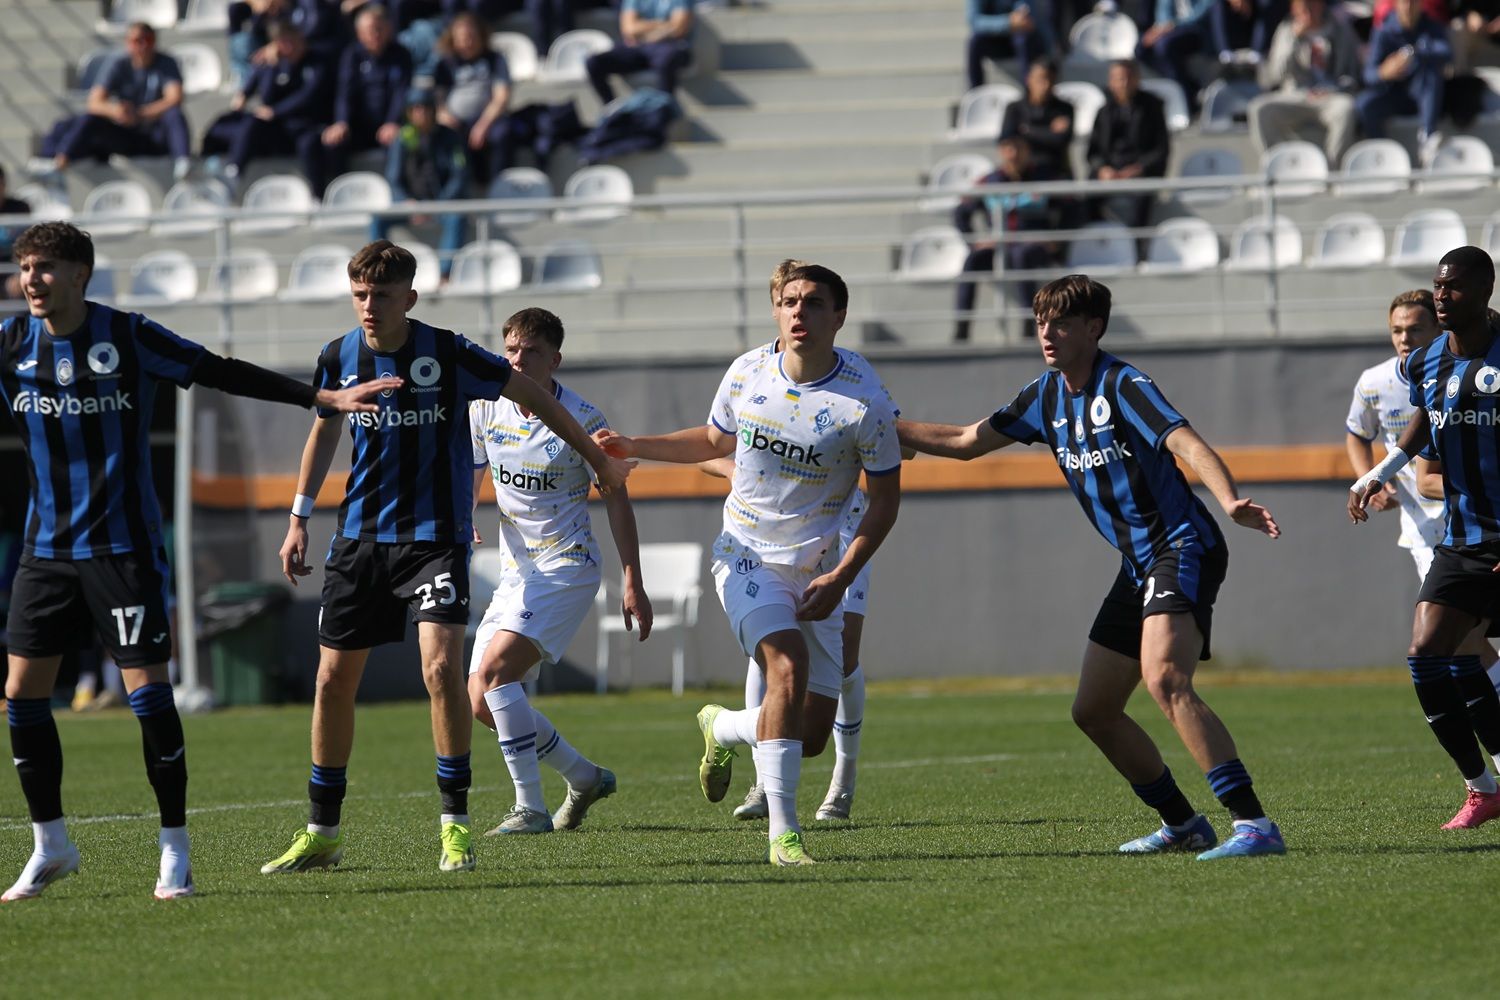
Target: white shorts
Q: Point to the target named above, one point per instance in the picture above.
(857, 597)
(1422, 555)
(761, 598)
(545, 608)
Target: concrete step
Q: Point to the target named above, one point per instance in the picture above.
(909, 50)
(791, 88)
(823, 123)
(771, 23)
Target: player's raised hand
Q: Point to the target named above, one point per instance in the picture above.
(294, 551)
(1248, 513)
(614, 444)
(613, 473)
(635, 604)
(820, 599)
(358, 398)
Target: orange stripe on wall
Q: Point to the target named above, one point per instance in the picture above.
(1028, 470)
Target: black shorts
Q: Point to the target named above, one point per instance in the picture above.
(368, 588)
(1185, 579)
(61, 605)
(1463, 577)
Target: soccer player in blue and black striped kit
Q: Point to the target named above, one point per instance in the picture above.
(80, 379)
(1117, 439)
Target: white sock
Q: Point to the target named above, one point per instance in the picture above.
(780, 770)
(515, 724)
(1260, 823)
(447, 818)
(846, 729)
(175, 869)
(557, 753)
(50, 837)
(331, 832)
(732, 729)
(1484, 783)
(755, 693)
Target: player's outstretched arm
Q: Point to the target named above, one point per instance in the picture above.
(634, 604)
(689, 446)
(611, 471)
(1362, 457)
(822, 596)
(241, 378)
(317, 455)
(1185, 443)
(951, 440)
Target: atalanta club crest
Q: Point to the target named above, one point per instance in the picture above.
(65, 372)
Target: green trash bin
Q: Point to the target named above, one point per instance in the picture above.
(241, 622)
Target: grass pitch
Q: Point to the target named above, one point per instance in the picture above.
(980, 862)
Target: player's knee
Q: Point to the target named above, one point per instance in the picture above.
(1169, 687)
(813, 744)
(439, 673)
(1090, 716)
(335, 683)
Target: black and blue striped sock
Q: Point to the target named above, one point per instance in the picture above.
(37, 751)
(164, 751)
(1231, 785)
(325, 791)
(1443, 706)
(1480, 700)
(453, 780)
(1166, 798)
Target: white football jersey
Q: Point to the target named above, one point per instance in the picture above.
(541, 484)
(1381, 409)
(798, 454)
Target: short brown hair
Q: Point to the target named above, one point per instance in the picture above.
(820, 275)
(778, 276)
(55, 241)
(1073, 295)
(1419, 297)
(535, 322)
(383, 263)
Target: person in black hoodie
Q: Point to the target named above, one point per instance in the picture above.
(1043, 119)
(1129, 141)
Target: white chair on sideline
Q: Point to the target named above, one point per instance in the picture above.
(429, 277)
(933, 254)
(485, 266)
(1490, 241)
(1423, 237)
(1224, 104)
(160, 14)
(1099, 38)
(193, 207)
(1174, 101)
(981, 111)
(1209, 163)
(279, 202)
(1103, 247)
(246, 275)
(596, 194)
(1350, 239)
(569, 51)
(1087, 100)
(1374, 167)
(520, 54)
(1259, 245)
(205, 17)
(519, 184)
(1296, 169)
(162, 277)
(1182, 245)
(48, 204)
(349, 192)
(116, 208)
(202, 70)
(952, 176)
(671, 572)
(319, 273)
(1460, 163)
(568, 266)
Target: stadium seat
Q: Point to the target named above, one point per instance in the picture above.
(569, 51)
(568, 266)
(1106, 246)
(102, 280)
(1224, 104)
(202, 71)
(1374, 167)
(1296, 169)
(116, 208)
(246, 275)
(429, 279)
(192, 207)
(1181, 245)
(162, 277)
(674, 569)
(205, 17)
(1087, 101)
(934, 254)
(47, 204)
(356, 189)
(1490, 241)
(160, 14)
(1351, 239)
(1422, 237)
(950, 177)
(1455, 157)
(600, 193)
(485, 266)
(279, 201)
(519, 184)
(1101, 38)
(519, 52)
(318, 273)
(1210, 163)
(1491, 77)
(1173, 99)
(981, 111)
(1259, 245)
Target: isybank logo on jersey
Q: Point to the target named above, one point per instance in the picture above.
(1472, 418)
(754, 438)
(391, 418)
(1092, 459)
(32, 401)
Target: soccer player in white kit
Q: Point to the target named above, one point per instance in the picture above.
(550, 575)
(802, 424)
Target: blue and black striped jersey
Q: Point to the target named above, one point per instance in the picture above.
(83, 404)
(1462, 400)
(412, 478)
(1109, 443)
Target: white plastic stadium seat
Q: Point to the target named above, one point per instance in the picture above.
(1173, 99)
(1375, 167)
(347, 192)
(1106, 246)
(246, 275)
(1258, 245)
(102, 280)
(116, 208)
(951, 177)
(318, 273)
(1180, 245)
(1490, 241)
(47, 204)
(279, 201)
(569, 51)
(1491, 77)
(981, 111)
(485, 266)
(1423, 237)
(568, 266)
(600, 192)
(1100, 38)
(194, 207)
(1210, 163)
(1224, 104)
(519, 184)
(934, 254)
(1459, 155)
(1087, 101)
(202, 72)
(519, 52)
(1350, 239)
(160, 14)
(429, 277)
(205, 17)
(674, 569)
(162, 277)
(1297, 169)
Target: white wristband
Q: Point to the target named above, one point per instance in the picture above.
(303, 505)
(1394, 461)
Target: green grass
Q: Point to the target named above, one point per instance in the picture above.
(981, 862)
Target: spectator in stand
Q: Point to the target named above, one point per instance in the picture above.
(10, 282)
(1006, 214)
(1309, 75)
(1242, 29)
(1129, 141)
(369, 98)
(1404, 71)
(473, 89)
(655, 35)
(250, 37)
(134, 110)
(281, 109)
(1043, 119)
(1004, 29)
(426, 163)
(1477, 39)
(1233, 31)
(1178, 32)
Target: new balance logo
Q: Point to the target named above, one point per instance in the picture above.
(26, 366)
(754, 439)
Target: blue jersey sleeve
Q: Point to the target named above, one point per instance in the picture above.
(326, 375)
(481, 375)
(1148, 411)
(164, 355)
(1022, 419)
